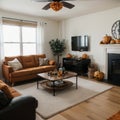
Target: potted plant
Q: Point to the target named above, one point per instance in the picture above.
(57, 47)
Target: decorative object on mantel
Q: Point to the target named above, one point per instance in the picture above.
(113, 41)
(115, 30)
(106, 39)
(117, 41)
(109, 40)
(98, 75)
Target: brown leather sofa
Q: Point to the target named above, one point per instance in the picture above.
(19, 107)
(30, 68)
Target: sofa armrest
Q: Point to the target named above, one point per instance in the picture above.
(6, 71)
(8, 68)
(20, 108)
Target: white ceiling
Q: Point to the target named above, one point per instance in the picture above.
(82, 7)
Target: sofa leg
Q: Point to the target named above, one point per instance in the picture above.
(8, 82)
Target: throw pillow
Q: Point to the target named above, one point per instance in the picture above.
(43, 61)
(4, 100)
(15, 64)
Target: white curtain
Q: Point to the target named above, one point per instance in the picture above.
(40, 37)
(1, 48)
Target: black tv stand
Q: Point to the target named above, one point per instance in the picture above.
(80, 66)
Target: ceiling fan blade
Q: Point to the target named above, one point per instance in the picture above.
(46, 7)
(68, 5)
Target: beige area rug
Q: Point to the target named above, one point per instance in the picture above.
(50, 105)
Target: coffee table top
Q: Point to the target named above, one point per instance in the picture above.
(55, 77)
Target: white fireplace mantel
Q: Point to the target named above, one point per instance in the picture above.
(109, 48)
(110, 45)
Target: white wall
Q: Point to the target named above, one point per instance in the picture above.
(95, 26)
(51, 32)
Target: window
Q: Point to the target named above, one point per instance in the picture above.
(19, 37)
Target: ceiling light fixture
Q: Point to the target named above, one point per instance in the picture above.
(56, 6)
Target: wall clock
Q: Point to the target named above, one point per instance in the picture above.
(116, 30)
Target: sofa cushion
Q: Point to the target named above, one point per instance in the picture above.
(37, 58)
(44, 68)
(15, 64)
(4, 100)
(28, 61)
(23, 72)
(33, 70)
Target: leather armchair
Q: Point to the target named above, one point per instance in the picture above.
(20, 108)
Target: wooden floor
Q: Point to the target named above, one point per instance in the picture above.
(101, 107)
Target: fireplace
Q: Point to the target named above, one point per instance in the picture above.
(114, 68)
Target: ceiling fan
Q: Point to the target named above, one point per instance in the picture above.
(56, 5)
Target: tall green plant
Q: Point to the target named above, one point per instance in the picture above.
(57, 47)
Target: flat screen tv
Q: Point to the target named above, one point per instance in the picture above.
(80, 43)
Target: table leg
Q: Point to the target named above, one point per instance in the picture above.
(53, 88)
(76, 82)
(37, 84)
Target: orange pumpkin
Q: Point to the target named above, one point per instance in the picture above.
(112, 41)
(98, 75)
(117, 41)
(106, 39)
(101, 42)
(84, 56)
(69, 55)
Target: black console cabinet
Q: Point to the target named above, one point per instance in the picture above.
(76, 65)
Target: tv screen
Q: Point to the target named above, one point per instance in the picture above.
(75, 43)
(80, 43)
